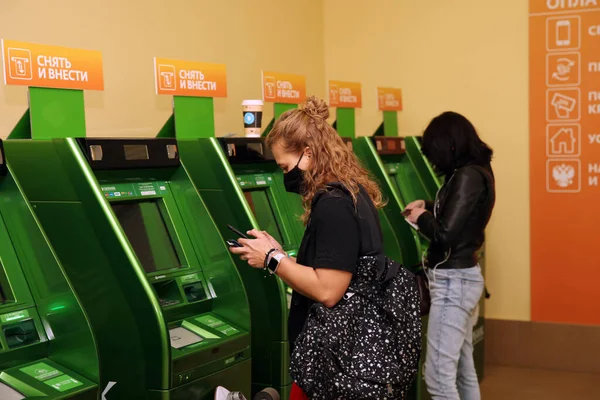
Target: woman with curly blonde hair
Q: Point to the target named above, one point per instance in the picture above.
(340, 213)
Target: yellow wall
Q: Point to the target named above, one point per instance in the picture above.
(469, 56)
(465, 55)
(246, 35)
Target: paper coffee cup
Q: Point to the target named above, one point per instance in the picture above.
(252, 111)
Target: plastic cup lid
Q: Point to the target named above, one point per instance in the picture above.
(253, 103)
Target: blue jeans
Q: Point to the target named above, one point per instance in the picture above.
(449, 367)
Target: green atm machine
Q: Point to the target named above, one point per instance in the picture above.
(430, 183)
(143, 254)
(243, 186)
(46, 346)
(395, 229)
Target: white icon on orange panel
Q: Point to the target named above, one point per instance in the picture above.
(19, 64)
(270, 89)
(563, 33)
(563, 176)
(563, 69)
(166, 77)
(562, 104)
(563, 140)
(334, 95)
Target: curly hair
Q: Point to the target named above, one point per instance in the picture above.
(332, 160)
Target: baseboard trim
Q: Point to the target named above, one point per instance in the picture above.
(528, 344)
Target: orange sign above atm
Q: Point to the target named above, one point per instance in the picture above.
(31, 64)
(283, 88)
(345, 94)
(389, 99)
(189, 78)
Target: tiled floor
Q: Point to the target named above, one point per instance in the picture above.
(505, 383)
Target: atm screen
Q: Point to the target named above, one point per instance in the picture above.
(147, 231)
(263, 211)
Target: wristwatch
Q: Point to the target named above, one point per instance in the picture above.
(274, 261)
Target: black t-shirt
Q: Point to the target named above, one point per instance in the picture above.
(337, 234)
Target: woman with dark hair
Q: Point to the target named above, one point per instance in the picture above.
(455, 225)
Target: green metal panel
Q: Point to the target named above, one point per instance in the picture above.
(346, 122)
(422, 167)
(61, 188)
(58, 306)
(220, 185)
(40, 306)
(14, 287)
(278, 109)
(405, 239)
(390, 123)
(56, 113)
(194, 117)
(126, 307)
(168, 129)
(404, 178)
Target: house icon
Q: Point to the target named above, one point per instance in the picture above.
(563, 141)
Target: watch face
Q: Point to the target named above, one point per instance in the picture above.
(274, 262)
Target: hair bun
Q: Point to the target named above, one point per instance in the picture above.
(316, 108)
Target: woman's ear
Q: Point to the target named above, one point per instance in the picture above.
(306, 162)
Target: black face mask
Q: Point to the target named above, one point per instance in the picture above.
(293, 180)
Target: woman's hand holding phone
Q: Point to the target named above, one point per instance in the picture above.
(413, 211)
(414, 205)
(414, 215)
(265, 235)
(253, 250)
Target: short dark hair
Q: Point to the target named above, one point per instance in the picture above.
(450, 141)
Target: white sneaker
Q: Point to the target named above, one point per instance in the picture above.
(221, 393)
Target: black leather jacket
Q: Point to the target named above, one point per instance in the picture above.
(456, 222)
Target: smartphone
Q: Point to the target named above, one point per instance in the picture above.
(414, 226)
(563, 33)
(233, 243)
(237, 232)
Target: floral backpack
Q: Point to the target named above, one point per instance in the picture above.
(368, 345)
